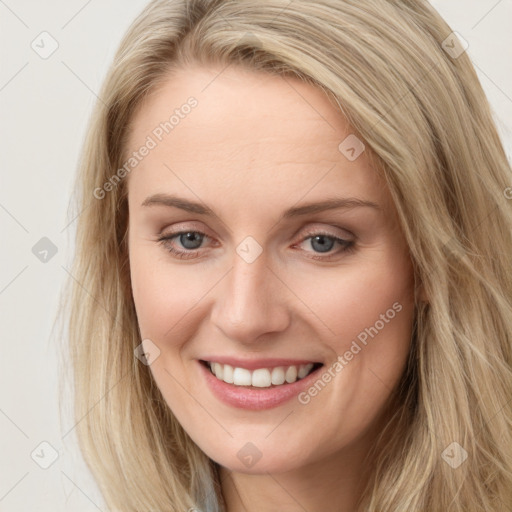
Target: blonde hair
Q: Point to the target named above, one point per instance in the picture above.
(428, 129)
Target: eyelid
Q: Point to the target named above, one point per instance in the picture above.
(315, 230)
(347, 245)
(310, 230)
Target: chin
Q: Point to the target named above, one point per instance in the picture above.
(257, 458)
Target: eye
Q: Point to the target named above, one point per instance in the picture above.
(191, 241)
(323, 242)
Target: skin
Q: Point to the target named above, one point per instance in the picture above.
(254, 146)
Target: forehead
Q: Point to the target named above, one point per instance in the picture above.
(248, 133)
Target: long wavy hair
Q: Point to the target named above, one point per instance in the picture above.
(390, 68)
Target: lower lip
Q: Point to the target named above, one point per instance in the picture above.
(251, 398)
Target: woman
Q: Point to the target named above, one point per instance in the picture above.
(293, 287)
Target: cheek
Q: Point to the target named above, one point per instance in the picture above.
(366, 313)
(163, 294)
(369, 311)
(349, 299)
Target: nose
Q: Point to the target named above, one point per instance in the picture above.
(250, 301)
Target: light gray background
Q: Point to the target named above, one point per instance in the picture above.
(45, 105)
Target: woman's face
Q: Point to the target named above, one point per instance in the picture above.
(293, 258)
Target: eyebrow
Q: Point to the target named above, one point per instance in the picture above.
(295, 211)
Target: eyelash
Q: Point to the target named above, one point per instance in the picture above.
(347, 246)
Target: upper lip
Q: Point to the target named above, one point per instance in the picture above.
(254, 364)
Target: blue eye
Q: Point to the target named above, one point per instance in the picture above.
(187, 239)
(191, 242)
(190, 238)
(321, 240)
(324, 242)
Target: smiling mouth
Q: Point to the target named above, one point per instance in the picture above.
(261, 377)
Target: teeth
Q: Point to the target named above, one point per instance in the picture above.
(304, 369)
(241, 377)
(262, 377)
(291, 374)
(218, 370)
(278, 375)
(226, 375)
